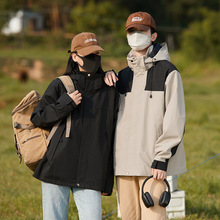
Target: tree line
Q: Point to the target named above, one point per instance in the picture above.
(189, 24)
(166, 12)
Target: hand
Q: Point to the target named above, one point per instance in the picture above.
(110, 78)
(76, 96)
(104, 194)
(158, 174)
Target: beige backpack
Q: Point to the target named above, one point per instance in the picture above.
(31, 142)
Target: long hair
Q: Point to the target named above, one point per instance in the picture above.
(71, 66)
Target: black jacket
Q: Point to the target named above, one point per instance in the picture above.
(85, 159)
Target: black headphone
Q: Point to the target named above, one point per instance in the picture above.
(164, 198)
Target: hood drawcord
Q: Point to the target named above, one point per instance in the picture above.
(151, 81)
(151, 88)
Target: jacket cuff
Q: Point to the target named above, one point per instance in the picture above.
(160, 165)
(65, 100)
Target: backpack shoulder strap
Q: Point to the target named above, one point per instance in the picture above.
(68, 83)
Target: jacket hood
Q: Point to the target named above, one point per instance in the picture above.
(154, 53)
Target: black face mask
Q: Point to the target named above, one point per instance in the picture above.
(91, 63)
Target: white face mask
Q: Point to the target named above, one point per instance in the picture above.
(138, 40)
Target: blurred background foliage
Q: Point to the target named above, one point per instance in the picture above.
(189, 25)
(201, 40)
(30, 59)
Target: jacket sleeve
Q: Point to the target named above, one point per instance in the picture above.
(53, 106)
(173, 122)
(110, 171)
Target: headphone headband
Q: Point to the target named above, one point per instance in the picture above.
(168, 186)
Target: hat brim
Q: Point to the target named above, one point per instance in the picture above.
(90, 49)
(139, 26)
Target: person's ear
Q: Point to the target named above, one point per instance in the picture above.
(154, 36)
(74, 57)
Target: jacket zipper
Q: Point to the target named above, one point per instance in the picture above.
(31, 138)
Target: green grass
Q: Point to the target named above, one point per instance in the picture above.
(202, 140)
(20, 193)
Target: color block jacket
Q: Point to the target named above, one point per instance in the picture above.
(151, 116)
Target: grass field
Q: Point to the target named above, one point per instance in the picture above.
(20, 193)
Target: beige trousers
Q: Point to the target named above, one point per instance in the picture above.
(130, 198)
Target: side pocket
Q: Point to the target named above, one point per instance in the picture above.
(33, 144)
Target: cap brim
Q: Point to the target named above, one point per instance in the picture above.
(139, 26)
(88, 50)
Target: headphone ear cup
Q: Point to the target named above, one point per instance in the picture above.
(148, 201)
(164, 199)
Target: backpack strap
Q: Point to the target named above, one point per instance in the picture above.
(23, 126)
(53, 130)
(68, 84)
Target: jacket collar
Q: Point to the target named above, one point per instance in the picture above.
(154, 53)
(88, 83)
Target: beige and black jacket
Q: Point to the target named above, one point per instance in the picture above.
(151, 116)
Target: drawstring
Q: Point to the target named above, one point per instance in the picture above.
(151, 82)
(151, 85)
